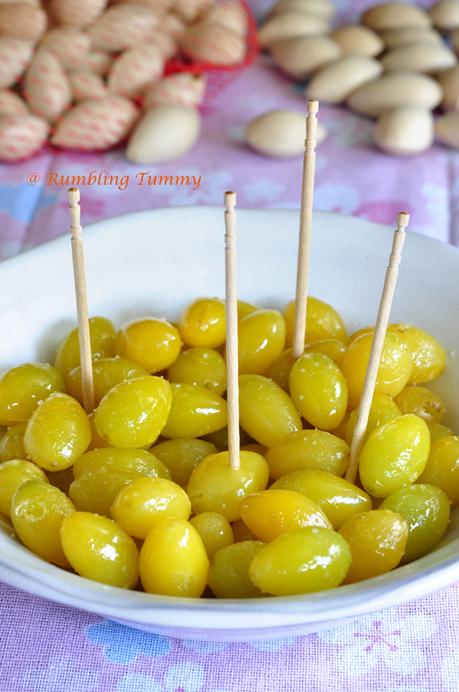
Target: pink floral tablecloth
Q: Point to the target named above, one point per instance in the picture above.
(414, 648)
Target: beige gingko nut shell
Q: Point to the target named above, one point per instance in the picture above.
(230, 14)
(405, 131)
(447, 129)
(96, 124)
(279, 133)
(212, 43)
(69, 44)
(299, 57)
(77, 12)
(183, 89)
(46, 86)
(321, 8)
(291, 25)
(395, 15)
(449, 82)
(164, 133)
(135, 69)
(123, 26)
(158, 6)
(99, 62)
(21, 136)
(166, 44)
(337, 80)
(393, 90)
(394, 38)
(189, 10)
(419, 58)
(87, 85)
(354, 39)
(445, 14)
(12, 104)
(15, 55)
(24, 21)
(173, 26)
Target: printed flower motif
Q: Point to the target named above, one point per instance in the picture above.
(181, 677)
(336, 197)
(265, 190)
(58, 675)
(122, 644)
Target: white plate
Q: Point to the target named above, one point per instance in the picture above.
(155, 262)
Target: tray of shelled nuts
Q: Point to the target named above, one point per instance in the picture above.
(90, 74)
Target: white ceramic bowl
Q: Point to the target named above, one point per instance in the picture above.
(155, 262)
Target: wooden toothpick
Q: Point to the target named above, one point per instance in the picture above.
(232, 361)
(377, 345)
(81, 300)
(304, 244)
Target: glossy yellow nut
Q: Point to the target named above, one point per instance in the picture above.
(244, 309)
(23, 388)
(13, 474)
(270, 513)
(12, 442)
(333, 348)
(111, 460)
(308, 559)
(144, 503)
(215, 487)
(99, 549)
(215, 531)
(173, 560)
(102, 344)
(383, 409)
(195, 411)
(442, 467)
(152, 343)
(394, 455)
(437, 431)
(203, 323)
(426, 509)
(319, 390)
(377, 540)
(322, 322)
(134, 413)
(394, 371)
(308, 449)
(107, 372)
(267, 413)
(57, 433)
(180, 456)
(279, 370)
(219, 439)
(37, 512)
(203, 366)
(428, 355)
(423, 402)
(229, 571)
(261, 340)
(338, 499)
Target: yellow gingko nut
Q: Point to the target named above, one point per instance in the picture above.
(102, 334)
(152, 343)
(266, 412)
(377, 540)
(308, 449)
(215, 487)
(322, 322)
(134, 413)
(338, 499)
(57, 433)
(270, 513)
(394, 371)
(182, 455)
(203, 323)
(37, 512)
(110, 460)
(437, 431)
(144, 503)
(244, 309)
(195, 411)
(98, 549)
(426, 510)
(303, 561)
(215, 531)
(394, 455)
(319, 390)
(229, 571)
(219, 438)
(96, 441)
(173, 560)
(107, 372)
(24, 387)
(442, 467)
(279, 370)
(261, 340)
(423, 402)
(12, 442)
(428, 355)
(333, 348)
(13, 474)
(202, 366)
(383, 409)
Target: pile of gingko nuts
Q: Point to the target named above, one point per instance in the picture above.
(89, 74)
(397, 66)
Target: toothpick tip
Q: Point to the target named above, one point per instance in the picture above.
(313, 107)
(73, 195)
(230, 200)
(403, 219)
